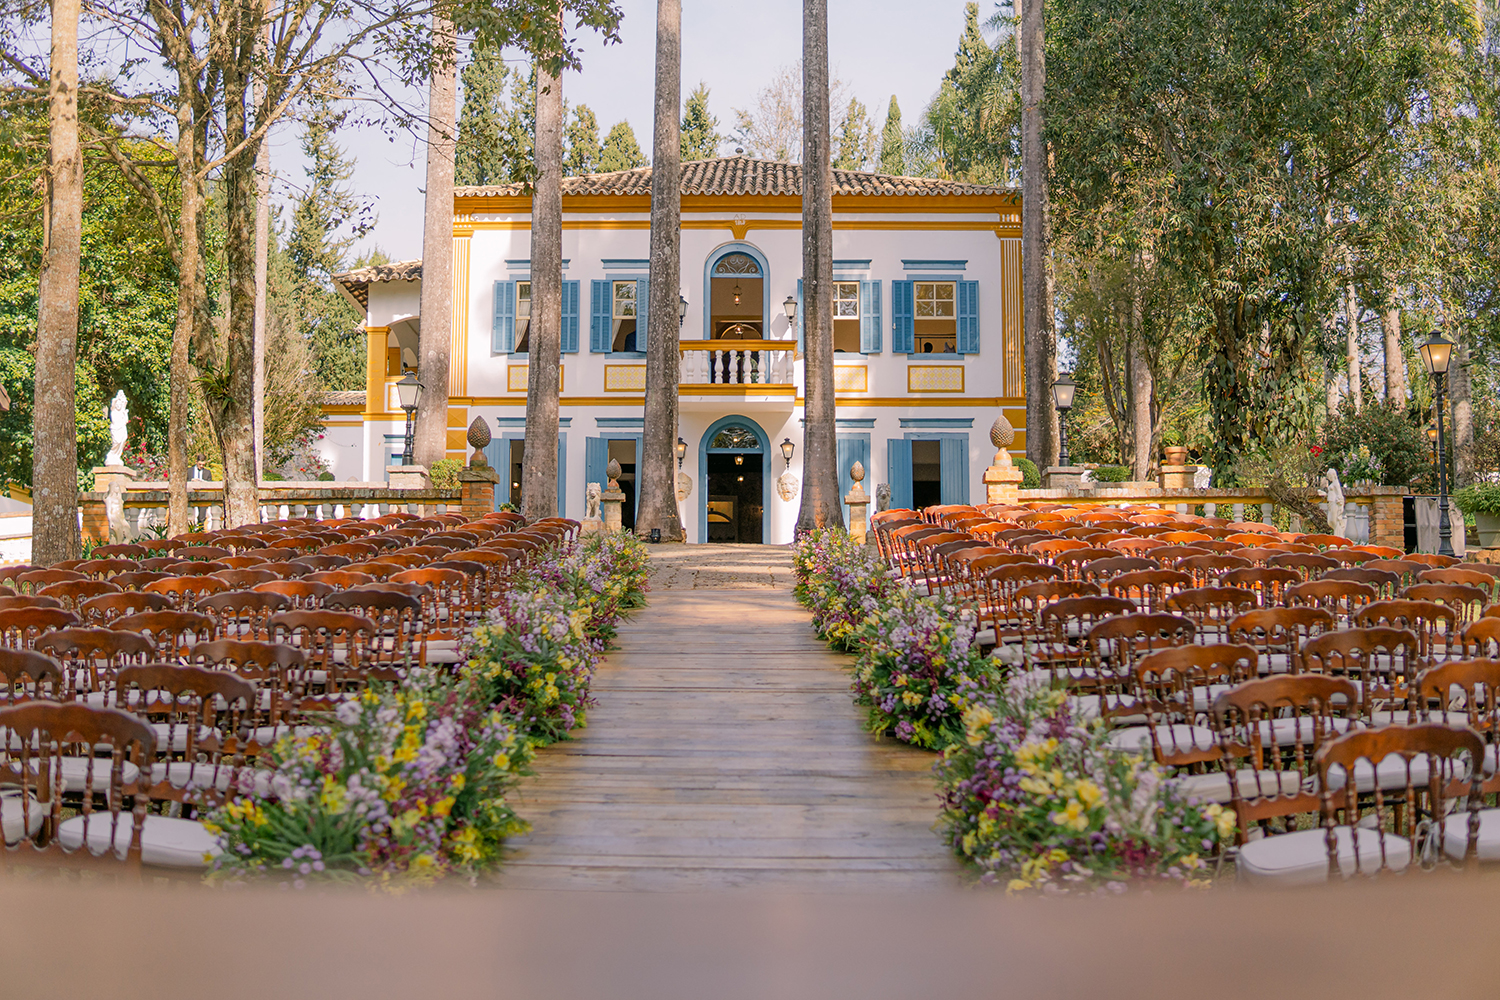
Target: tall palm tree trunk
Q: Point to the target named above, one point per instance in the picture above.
(54, 459)
(658, 497)
(1395, 363)
(544, 360)
(820, 488)
(434, 331)
(1036, 255)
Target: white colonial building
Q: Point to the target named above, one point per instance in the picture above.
(927, 330)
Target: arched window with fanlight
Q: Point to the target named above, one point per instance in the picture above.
(737, 296)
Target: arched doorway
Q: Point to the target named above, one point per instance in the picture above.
(736, 300)
(735, 458)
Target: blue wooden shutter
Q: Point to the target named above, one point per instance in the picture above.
(903, 320)
(570, 317)
(601, 317)
(799, 314)
(869, 317)
(497, 453)
(968, 321)
(898, 471)
(562, 474)
(642, 302)
(853, 448)
(503, 332)
(954, 454)
(595, 461)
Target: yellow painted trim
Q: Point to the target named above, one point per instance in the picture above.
(1002, 203)
(377, 329)
(343, 423)
(456, 439)
(376, 339)
(876, 402)
(458, 374)
(739, 229)
(626, 377)
(941, 371)
(330, 409)
(458, 416)
(522, 373)
(736, 390)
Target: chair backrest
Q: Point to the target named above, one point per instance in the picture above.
(1406, 569)
(1270, 582)
(1308, 565)
(1468, 602)
(1470, 687)
(1386, 583)
(133, 582)
(243, 614)
(1383, 660)
(334, 641)
(1149, 588)
(102, 569)
(72, 593)
(1432, 559)
(1326, 541)
(1205, 605)
(21, 627)
(340, 578)
(1173, 683)
(200, 567)
(1481, 638)
(1340, 598)
(1436, 764)
(26, 674)
(243, 579)
(1101, 570)
(199, 715)
(44, 738)
(172, 631)
(320, 563)
(119, 550)
(184, 591)
(1489, 583)
(28, 601)
(1436, 625)
(1205, 570)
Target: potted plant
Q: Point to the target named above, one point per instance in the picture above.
(1482, 500)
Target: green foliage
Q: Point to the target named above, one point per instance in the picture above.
(855, 146)
(444, 473)
(972, 128)
(1479, 498)
(1031, 477)
(1378, 442)
(495, 132)
(1112, 474)
(700, 129)
(893, 142)
(581, 139)
(620, 151)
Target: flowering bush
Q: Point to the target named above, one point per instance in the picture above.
(535, 654)
(407, 784)
(1032, 797)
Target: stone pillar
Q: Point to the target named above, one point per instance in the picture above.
(113, 481)
(613, 498)
(858, 503)
(1059, 477)
(1387, 517)
(478, 485)
(1002, 480)
(408, 477)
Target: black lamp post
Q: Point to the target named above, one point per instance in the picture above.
(1432, 443)
(681, 453)
(1436, 352)
(787, 449)
(1062, 397)
(789, 306)
(682, 305)
(408, 391)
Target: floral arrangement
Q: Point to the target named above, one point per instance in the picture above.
(1033, 798)
(408, 784)
(536, 652)
(841, 583)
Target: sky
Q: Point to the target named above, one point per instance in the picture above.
(877, 47)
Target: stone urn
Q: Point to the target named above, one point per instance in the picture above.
(1174, 455)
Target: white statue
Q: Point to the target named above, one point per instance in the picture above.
(592, 496)
(118, 414)
(1203, 477)
(1334, 491)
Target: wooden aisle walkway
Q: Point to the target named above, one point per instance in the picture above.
(725, 752)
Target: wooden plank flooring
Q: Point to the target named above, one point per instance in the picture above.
(725, 752)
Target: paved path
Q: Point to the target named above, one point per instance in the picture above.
(725, 752)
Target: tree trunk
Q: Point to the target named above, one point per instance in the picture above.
(1036, 257)
(821, 505)
(657, 473)
(1395, 361)
(544, 362)
(1461, 389)
(435, 328)
(191, 295)
(262, 267)
(54, 462)
(1138, 390)
(235, 386)
(1351, 345)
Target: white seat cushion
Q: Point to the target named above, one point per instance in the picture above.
(1456, 834)
(1401, 718)
(14, 811)
(174, 736)
(1288, 732)
(165, 841)
(185, 774)
(1177, 738)
(1391, 774)
(75, 772)
(1214, 786)
(266, 735)
(1301, 858)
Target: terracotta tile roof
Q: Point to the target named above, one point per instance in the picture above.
(740, 175)
(344, 397)
(356, 284)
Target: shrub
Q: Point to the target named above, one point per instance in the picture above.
(1031, 479)
(1112, 474)
(1376, 442)
(1480, 498)
(444, 473)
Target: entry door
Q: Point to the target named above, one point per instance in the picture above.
(853, 448)
(498, 452)
(954, 456)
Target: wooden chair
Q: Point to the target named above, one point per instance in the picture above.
(103, 569)
(1467, 602)
(21, 627)
(1169, 556)
(1406, 569)
(244, 579)
(1465, 575)
(72, 594)
(1433, 559)
(1386, 583)
(1072, 562)
(28, 601)
(279, 673)
(1481, 639)
(340, 579)
(1278, 634)
(1340, 598)
(53, 755)
(1270, 731)
(119, 550)
(401, 630)
(1307, 565)
(33, 581)
(200, 567)
(1065, 629)
(1211, 609)
(202, 553)
(1380, 661)
(287, 570)
(133, 582)
(1326, 541)
(106, 608)
(1149, 588)
(1436, 625)
(1350, 556)
(1206, 570)
(1115, 646)
(1269, 582)
(338, 651)
(995, 591)
(321, 563)
(25, 675)
(1138, 547)
(243, 614)
(246, 560)
(199, 714)
(1100, 571)
(172, 631)
(91, 656)
(185, 591)
(1176, 686)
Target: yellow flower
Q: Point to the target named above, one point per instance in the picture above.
(334, 795)
(911, 699)
(501, 761)
(442, 807)
(976, 719)
(1088, 793)
(1072, 816)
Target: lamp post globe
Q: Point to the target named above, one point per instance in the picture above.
(682, 306)
(681, 452)
(787, 450)
(1437, 352)
(789, 306)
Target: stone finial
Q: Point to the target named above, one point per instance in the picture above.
(479, 438)
(857, 473)
(1002, 435)
(612, 470)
